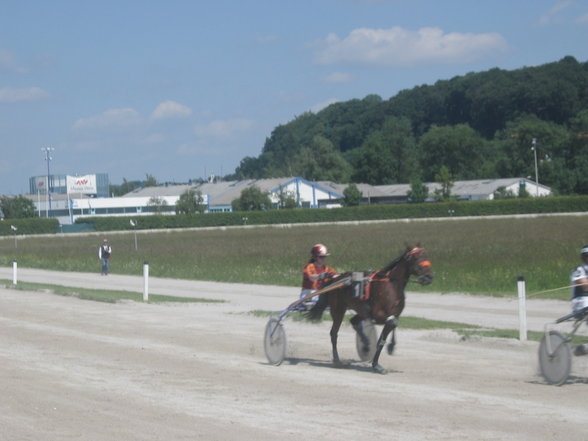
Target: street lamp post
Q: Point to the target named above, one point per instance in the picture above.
(48, 158)
(134, 225)
(534, 148)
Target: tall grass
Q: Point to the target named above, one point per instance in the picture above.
(472, 256)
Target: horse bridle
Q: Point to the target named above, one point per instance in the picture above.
(423, 264)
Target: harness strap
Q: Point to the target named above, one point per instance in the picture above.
(372, 278)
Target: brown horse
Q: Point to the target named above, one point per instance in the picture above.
(382, 301)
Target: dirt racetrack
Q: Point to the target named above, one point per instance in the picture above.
(82, 370)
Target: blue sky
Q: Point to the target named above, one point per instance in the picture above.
(182, 89)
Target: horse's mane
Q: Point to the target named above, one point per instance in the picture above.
(392, 264)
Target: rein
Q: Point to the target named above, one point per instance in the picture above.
(384, 274)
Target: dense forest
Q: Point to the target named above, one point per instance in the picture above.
(481, 125)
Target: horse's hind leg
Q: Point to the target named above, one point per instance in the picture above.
(389, 326)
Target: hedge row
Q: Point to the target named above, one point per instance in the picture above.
(364, 212)
(32, 225)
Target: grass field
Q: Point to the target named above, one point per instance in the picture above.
(482, 256)
(102, 295)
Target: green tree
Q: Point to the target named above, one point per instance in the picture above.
(159, 204)
(252, 199)
(17, 207)
(124, 188)
(459, 148)
(286, 199)
(554, 161)
(444, 178)
(503, 193)
(387, 156)
(320, 161)
(190, 202)
(352, 196)
(150, 181)
(575, 157)
(418, 192)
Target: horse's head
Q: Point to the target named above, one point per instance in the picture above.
(419, 264)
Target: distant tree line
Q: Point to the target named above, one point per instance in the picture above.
(477, 126)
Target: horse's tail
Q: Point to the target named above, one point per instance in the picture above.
(315, 314)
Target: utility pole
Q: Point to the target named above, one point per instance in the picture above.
(534, 148)
(48, 158)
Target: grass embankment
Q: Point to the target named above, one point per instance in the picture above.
(99, 295)
(477, 256)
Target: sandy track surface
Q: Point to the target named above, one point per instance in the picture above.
(81, 370)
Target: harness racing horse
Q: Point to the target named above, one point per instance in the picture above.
(382, 301)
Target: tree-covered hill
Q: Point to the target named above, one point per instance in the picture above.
(480, 125)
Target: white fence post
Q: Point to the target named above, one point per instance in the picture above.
(522, 309)
(14, 268)
(146, 282)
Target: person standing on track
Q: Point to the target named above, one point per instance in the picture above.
(316, 272)
(104, 254)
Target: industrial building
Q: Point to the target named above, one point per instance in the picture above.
(58, 184)
(79, 196)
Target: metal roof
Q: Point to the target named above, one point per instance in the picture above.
(159, 191)
(223, 193)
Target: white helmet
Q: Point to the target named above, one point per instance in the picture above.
(319, 250)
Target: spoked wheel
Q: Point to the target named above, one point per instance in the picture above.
(555, 358)
(367, 354)
(274, 341)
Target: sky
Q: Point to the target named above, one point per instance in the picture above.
(181, 89)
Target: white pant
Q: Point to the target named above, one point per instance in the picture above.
(305, 292)
(579, 303)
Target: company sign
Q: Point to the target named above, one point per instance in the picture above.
(82, 184)
(40, 184)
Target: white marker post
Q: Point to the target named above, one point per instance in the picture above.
(14, 268)
(146, 282)
(522, 309)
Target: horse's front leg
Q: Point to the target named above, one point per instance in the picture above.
(389, 326)
(337, 320)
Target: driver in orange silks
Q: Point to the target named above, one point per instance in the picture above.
(316, 272)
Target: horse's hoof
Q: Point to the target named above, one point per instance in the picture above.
(379, 369)
(339, 364)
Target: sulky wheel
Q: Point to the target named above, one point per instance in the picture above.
(367, 353)
(274, 341)
(555, 358)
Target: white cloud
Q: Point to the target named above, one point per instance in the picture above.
(551, 16)
(583, 19)
(223, 128)
(114, 118)
(8, 63)
(171, 109)
(339, 77)
(12, 95)
(322, 105)
(400, 47)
